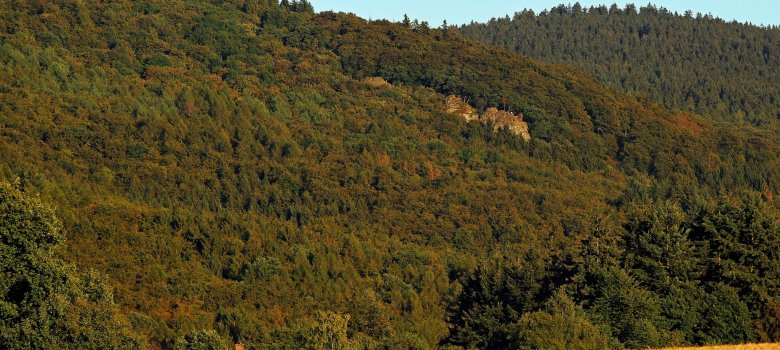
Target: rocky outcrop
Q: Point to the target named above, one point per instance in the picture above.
(376, 81)
(499, 119)
(457, 105)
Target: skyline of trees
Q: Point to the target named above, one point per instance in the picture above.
(697, 63)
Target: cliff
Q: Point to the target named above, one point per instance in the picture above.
(457, 105)
(499, 119)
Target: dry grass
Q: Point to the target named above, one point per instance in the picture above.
(733, 347)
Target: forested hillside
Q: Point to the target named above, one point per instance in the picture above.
(223, 171)
(693, 62)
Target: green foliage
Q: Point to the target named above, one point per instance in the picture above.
(726, 318)
(227, 167)
(680, 61)
(493, 300)
(563, 325)
(571, 118)
(44, 303)
(299, 6)
(329, 332)
(200, 340)
(658, 247)
(631, 312)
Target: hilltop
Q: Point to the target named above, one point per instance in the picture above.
(698, 63)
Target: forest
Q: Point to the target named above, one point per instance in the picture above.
(688, 61)
(194, 174)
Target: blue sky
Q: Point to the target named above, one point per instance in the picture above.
(765, 12)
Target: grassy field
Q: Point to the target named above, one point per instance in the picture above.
(733, 347)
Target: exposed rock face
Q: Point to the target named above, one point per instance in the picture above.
(499, 119)
(456, 105)
(376, 81)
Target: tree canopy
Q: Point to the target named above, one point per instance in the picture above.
(224, 171)
(697, 63)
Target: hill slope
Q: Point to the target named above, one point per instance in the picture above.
(696, 63)
(227, 166)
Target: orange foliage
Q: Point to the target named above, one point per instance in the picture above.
(686, 122)
(383, 159)
(432, 172)
(276, 316)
